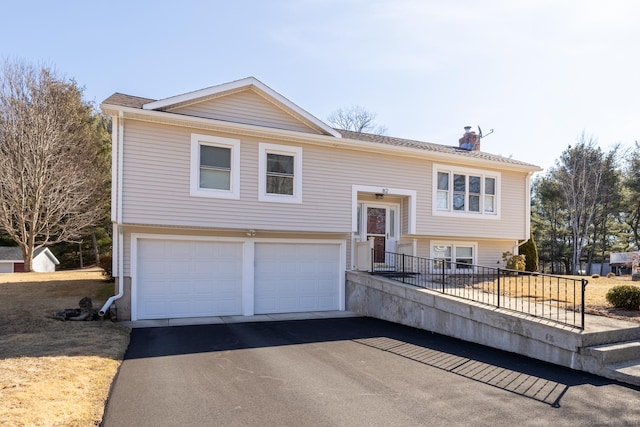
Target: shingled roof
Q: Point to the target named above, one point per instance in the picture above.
(127, 100)
(428, 146)
(14, 253)
(130, 101)
(10, 253)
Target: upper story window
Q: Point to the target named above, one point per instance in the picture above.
(465, 191)
(215, 167)
(280, 169)
(280, 176)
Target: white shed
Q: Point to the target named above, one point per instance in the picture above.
(11, 260)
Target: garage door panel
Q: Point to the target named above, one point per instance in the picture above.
(182, 278)
(296, 277)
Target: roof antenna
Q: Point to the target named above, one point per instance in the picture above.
(480, 132)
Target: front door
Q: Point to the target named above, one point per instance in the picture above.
(381, 224)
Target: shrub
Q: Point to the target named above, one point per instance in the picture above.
(625, 296)
(595, 276)
(530, 252)
(513, 262)
(611, 275)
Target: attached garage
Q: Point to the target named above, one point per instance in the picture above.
(296, 277)
(184, 277)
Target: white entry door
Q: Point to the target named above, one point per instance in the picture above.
(381, 222)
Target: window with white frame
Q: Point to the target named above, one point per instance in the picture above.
(280, 169)
(215, 166)
(454, 255)
(465, 191)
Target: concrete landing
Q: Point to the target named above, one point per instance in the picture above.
(627, 372)
(605, 330)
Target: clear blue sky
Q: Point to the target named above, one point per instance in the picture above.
(538, 72)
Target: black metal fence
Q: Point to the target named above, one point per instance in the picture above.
(555, 298)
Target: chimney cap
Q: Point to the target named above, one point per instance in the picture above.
(467, 129)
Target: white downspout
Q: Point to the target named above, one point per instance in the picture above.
(118, 143)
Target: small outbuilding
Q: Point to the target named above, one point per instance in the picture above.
(624, 262)
(12, 261)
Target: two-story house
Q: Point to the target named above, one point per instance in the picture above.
(232, 200)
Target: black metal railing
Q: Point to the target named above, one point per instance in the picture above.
(555, 298)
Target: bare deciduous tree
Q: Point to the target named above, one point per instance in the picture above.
(52, 182)
(580, 172)
(357, 119)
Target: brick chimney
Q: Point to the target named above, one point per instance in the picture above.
(470, 140)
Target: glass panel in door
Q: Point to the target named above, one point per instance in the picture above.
(377, 228)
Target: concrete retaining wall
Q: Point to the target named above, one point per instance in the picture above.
(385, 299)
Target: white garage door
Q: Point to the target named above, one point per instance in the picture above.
(296, 277)
(178, 278)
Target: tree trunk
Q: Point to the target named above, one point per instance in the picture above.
(27, 253)
(80, 253)
(95, 245)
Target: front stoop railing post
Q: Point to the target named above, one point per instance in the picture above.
(373, 255)
(498, 288)
(584, 287)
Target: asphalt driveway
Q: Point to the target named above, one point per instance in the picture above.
(348, 372)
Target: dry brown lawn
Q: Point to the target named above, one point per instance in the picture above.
(55, 373)
(595, 293)
(596, 301)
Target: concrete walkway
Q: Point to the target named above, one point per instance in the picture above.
(216, 320)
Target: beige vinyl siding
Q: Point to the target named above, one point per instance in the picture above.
(156, 189)
(245, 107)
(404, 216)
(490, 252)
(512, 209)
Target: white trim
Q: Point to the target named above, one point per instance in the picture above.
(264, 149)
(248, 273)
(527, 207)
(248, 277)
(454, 244)
(114, 165)
(412, 194)
(215, 141)
(451, 169)
(239, 84)
(120, 166)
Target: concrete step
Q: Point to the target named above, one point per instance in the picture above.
(609, 354)
(628, 371)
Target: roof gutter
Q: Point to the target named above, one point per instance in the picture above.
(117, 142)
